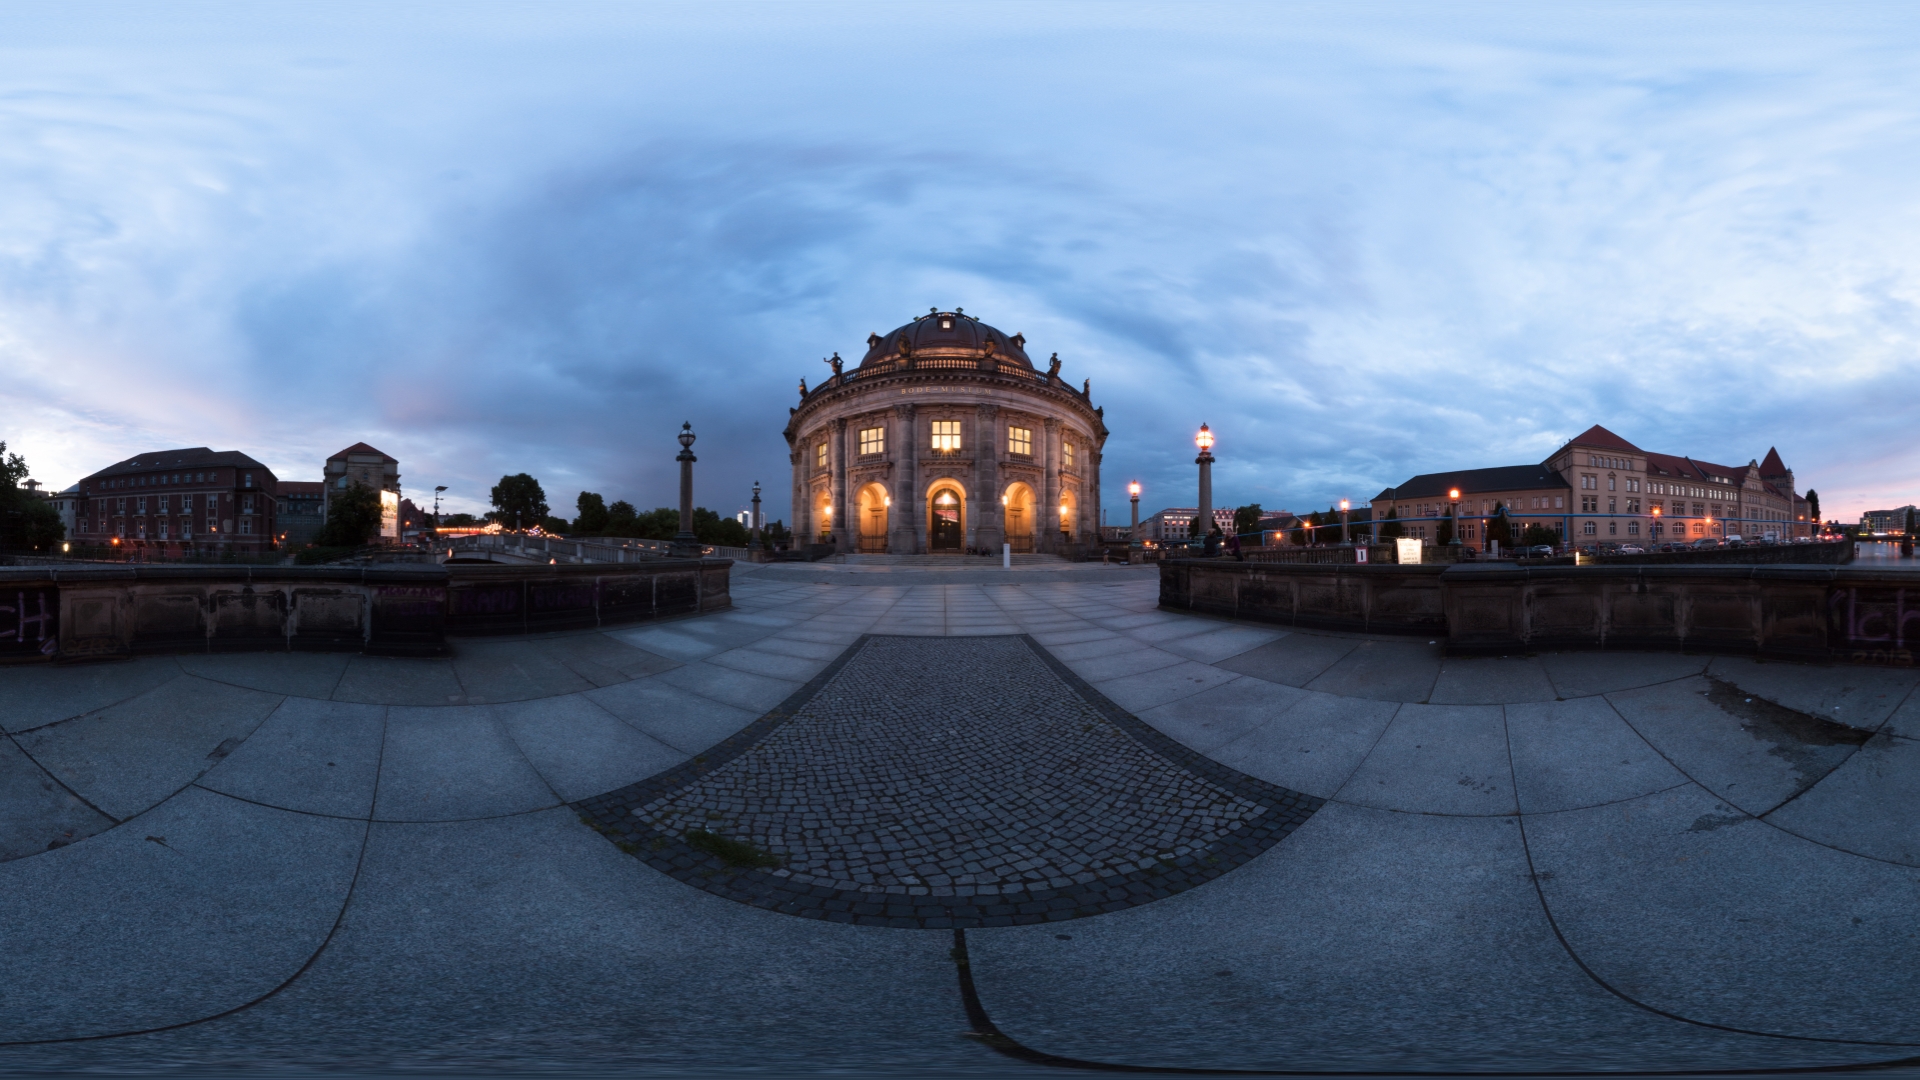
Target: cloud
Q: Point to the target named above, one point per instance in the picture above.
(1360, 246)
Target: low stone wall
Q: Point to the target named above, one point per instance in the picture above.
(1387, 599)
(1745, 555)
(1797, 612)
(408, 610)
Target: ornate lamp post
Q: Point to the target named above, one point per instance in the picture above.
(1453, 511)
(1133, 496)
(756, 515)
(684, 538)
(1656, 523)
(1204, 440)
(1344, 507)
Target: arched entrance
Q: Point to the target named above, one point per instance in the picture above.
(1019, 501)
(822, 515)
(946, 519)
(872, 504)
(1065, 524)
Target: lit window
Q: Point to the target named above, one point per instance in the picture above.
(1020, 441)
(1066, 454)
(873, 440)
(946, 435)
(820, 455)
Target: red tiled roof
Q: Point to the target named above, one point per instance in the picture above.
(1773, 466)
(1599, 436)
(363, 448)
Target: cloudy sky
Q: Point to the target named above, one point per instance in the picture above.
(1360, 241)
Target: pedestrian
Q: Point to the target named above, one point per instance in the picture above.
(1233, 545)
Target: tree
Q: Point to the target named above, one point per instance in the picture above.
(27, 521)
(1813, 506)
(1500, 527)
(1390, 527)
(1246, 519)
(459, 521)
(593, 514)
(1539, 534)
(1443, 532)
(518, 498)
(619, 519)
(711, 528)
(353, 518)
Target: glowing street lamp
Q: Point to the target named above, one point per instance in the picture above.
(1204, 440)
(1453, 498)
(1344, 505)
(1133, 496)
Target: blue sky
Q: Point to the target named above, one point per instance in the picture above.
(1359, 241)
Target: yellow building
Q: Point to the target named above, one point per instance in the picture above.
(1601, 489)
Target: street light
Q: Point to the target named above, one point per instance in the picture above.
(1453, 511)
(1133, 496)
(684, 539)
(1344, 506)
(1204, 440)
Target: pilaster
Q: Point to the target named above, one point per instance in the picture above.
(1048, 513)
(837, 463)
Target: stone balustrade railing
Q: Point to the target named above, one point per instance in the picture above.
(71, 613)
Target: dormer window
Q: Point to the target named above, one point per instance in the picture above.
(946, 322)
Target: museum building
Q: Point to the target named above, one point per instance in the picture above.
(946, 438)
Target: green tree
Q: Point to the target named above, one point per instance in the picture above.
(619, 519)
(1813, 506)
(593, 515)
(353, 518)
(1246, 519)
(459, 521)
(27, 521)
(710, 528)
(518, 498)
(1500, 527)
(1390, 527)
(1539, 534)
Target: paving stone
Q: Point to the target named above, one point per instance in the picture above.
(1295, 659)
(581, 749)
(1437, 759)
(1866, 806)
(318, 757)
(297, 674)
(1210, 719)
(42, 694)
(741, 689)
(1859, 696)
(1159, 686)
(953, 779)
(1314, 746)
(1384, 671)
(1587, 674)
(36, 812)
(681, 719)
(452, 764)
(1491, 680)
(131, 756)
(387, 680)
(1572, 754)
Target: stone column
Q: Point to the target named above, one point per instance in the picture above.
(1090, 503)
(986, 471)
(906, 511)
(798, 517)
(684, 538)
(1049, 511)
(837, 462)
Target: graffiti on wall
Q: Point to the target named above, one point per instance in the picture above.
(1876, 625)
(30, 622)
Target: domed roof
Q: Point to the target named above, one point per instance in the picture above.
(946, 333)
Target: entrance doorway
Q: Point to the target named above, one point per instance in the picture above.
(946, 531)
(872, 503)
(1019, 503)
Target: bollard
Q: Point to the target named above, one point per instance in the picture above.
(1006, 556)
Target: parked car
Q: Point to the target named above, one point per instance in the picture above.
(1540, 551)
(1632, 549)
(1706, 542)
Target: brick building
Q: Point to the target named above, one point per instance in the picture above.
(1175, 522)
(1601, 489)
(302, 510)
(172, 503)
(360, 464)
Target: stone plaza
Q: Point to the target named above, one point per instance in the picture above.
(954, 818)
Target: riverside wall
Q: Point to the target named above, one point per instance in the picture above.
(1796, 612)
(66, 614)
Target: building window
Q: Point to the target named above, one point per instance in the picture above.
(1589, 504)
(1559, 501)
(820, 455)
(246, 504)
(1613, 528)
(186, 504)
(873, 440)
(139, 504)
(1589, 481)
(1066, 454)
(1587, 527)
(1633, 528)
(1610, 482)
(248, 481)
(246, 526)
(186, 528)
(163, 528)
(1633, 506)
(946, 435)
(1020, 441)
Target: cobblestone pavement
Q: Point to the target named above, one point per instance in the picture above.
(950, 782)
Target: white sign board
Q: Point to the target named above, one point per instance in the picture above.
(1360, 553)
(1409, 550)
(390, 514)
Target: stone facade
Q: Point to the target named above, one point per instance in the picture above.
(945, 438)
